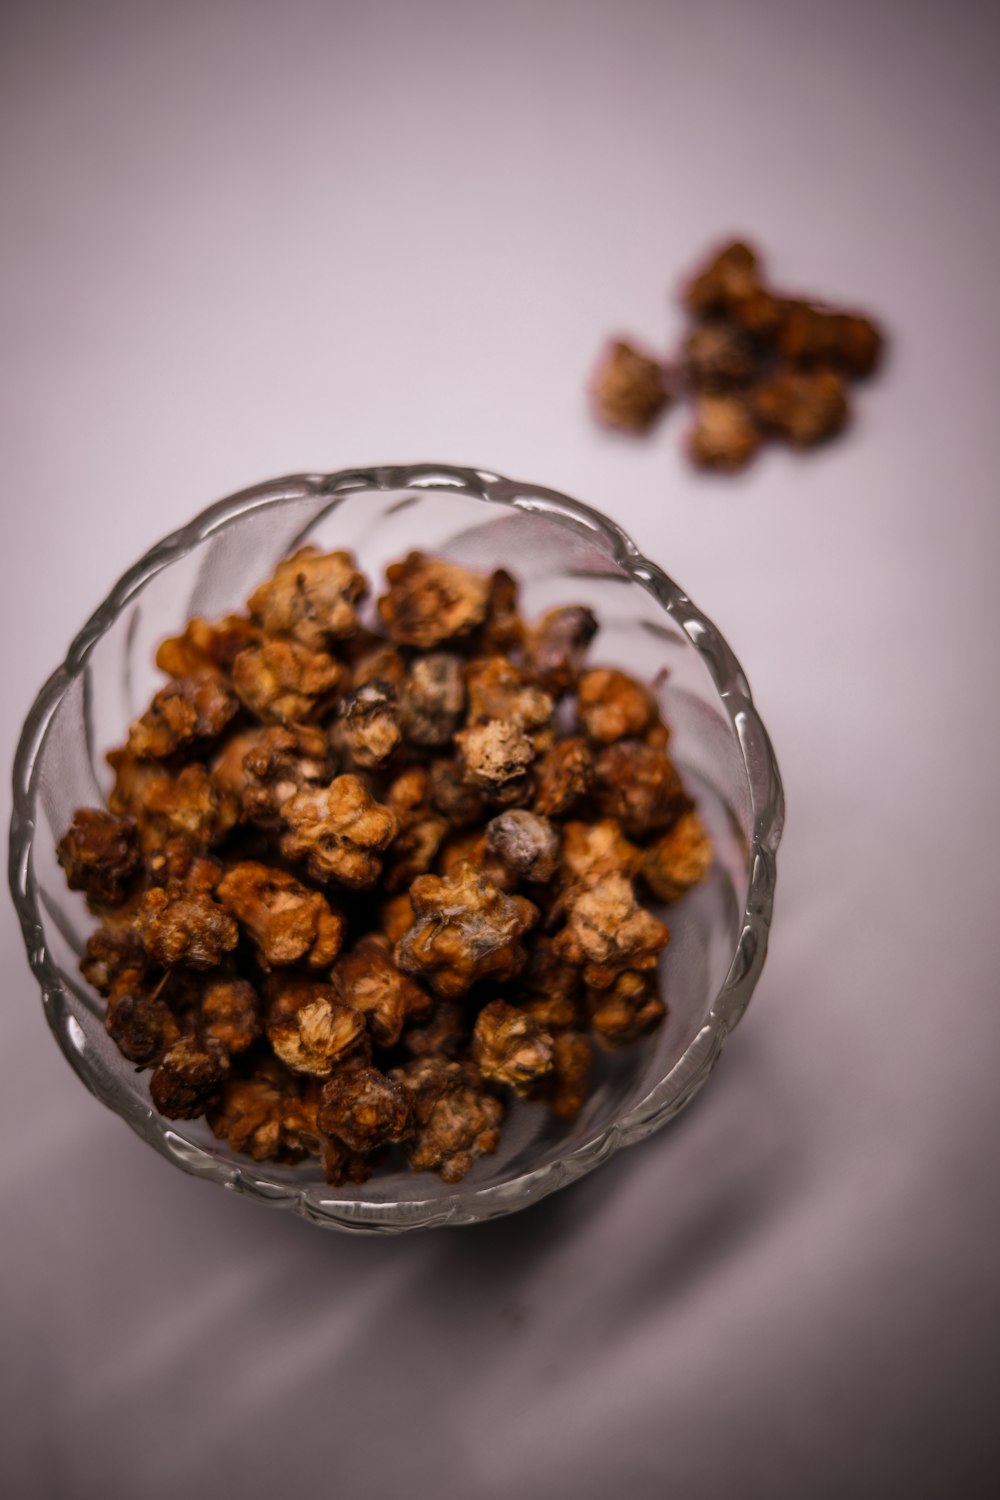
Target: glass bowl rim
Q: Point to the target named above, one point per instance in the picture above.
(462, 1204)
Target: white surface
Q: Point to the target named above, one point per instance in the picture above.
(240, 240)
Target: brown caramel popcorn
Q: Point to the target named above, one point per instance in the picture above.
(564, 778)
(230, 1014)
(184, 804)
(466, 929)
(497, 690)
(275, 764)
(678, 860)
(187, 1079)
(368, 724)
(289, 922)
(613, 705)
(187, 711)
(99, 854)
(339, 830)
(607, 932)
(140, 1024)
(565, 1088)
(625, 1010)
(316, 1035)
(206, 647)
(593, 851)
(755, 364)
(724, 435)
(455, 1121)
(804, 406)
(495, 759)
(429, 779)
(368, 979)
(526, 844)
(509, 1047)
(461, 803)
(178, 926)
(638, 784)
(364, 1108)
(281, 680)
(629, 389)
(433, 699)
(554, 648)
(431, 601)
(312, 596)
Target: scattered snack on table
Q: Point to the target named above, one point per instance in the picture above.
(357, 894)
(755, 366)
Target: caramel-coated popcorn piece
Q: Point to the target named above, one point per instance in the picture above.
(805, 407)
(724, 435)
(187, 1078)
(177, 860)
(548, 986)
(281, 680)
(565, 1088)
(433, 699)
(445, 1033)
(639, 785)
(608, 932)
(460, 802)
(364, 1108)
(421, 830)
(625, 1011)
(230, 1014)
(368, 724)
(455, 1120)
(563, 778)
(509, 1047)
(178, 926)
(261, 1115)
(187, 712)
(378, 662)
(140, 1024)
(186, 804)
(679, 860)
(503, 629)
(527, 845)
(719, 357)
(592, 851)
(731, 285)
(810, 334)
(279, 762)
(99, 854)
(555, 646)
(431, 601)
(111, 950)
(495, 758)
(612, 705)
(498, 690)
(368, 979)
(465, 930)
(396, 916)
(312, 596)
(316, 1035)
(288, 922)
(206, 646)
(629, 388)
(340, 831)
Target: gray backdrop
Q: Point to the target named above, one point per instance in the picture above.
(242, 239)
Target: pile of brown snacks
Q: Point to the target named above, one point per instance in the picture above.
(354, 888)
(755, 365)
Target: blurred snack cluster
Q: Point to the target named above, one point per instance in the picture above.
(755, 365)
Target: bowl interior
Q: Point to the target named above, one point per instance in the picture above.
(558, 557)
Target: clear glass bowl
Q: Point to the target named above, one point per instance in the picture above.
(561, 552)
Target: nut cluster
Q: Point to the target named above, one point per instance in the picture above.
(755, 365)
(356, 889)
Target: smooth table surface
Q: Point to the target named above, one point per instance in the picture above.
(241, 240)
